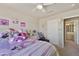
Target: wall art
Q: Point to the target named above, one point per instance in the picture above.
(4, 22)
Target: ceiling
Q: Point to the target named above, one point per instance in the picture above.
(29, 8)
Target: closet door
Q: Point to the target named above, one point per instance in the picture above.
(61, 32)
(55, 32)
(52, 31)
(76, 31)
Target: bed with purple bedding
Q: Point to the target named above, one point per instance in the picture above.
(37, 48)
(14, 45)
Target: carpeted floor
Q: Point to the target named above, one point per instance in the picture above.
(70, 49)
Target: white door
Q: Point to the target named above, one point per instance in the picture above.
(55, 32)
(52, 31)
(76, 31)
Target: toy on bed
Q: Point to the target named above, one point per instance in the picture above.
(4, 35)
(12, 32)
(17, 39)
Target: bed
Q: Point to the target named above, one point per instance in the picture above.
(36, 48)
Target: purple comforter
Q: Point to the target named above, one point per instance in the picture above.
(37, 48)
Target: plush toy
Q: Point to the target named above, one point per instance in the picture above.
(19, 38)
(16, 42)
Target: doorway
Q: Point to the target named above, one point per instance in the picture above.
(68, 30)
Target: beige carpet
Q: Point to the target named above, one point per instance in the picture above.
(70, 49)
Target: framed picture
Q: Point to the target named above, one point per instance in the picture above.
(4, 22)
(22, 24)
(15, 22)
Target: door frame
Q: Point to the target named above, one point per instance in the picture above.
(76, 30)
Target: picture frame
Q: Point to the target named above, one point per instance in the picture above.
(22, 24)
(4, 22)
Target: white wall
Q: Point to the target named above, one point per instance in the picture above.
(11, 14)
(52, 31)
(43, 27)
(58, 26)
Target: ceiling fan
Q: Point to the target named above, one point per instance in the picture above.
(42, 6)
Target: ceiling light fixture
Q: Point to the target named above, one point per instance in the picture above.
(39, 7)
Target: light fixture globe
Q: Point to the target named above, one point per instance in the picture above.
(39, 7)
